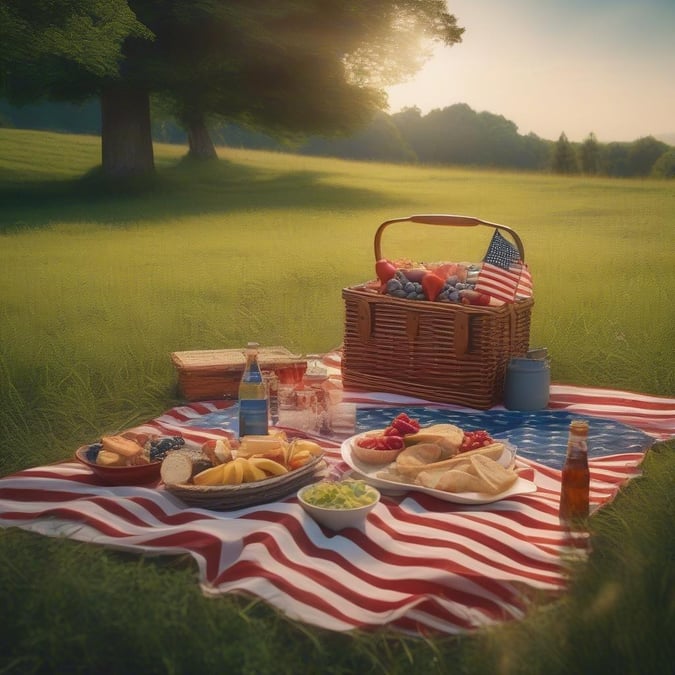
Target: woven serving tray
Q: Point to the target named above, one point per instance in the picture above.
(229, 497)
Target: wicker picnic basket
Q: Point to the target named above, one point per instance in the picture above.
(447, 352)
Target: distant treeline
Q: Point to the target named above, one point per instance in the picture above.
(456, 135)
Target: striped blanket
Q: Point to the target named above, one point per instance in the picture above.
(418, 565)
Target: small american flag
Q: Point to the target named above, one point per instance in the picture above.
(504, 275)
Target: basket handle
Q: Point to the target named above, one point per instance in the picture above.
(441, 219)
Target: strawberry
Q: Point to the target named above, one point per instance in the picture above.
(405, 425)
(385, 270)
(395, 442)
(381, 443)
(475, 439)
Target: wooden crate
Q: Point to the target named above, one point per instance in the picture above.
(212, 374)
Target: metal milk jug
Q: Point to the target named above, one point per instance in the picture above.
(528, 380)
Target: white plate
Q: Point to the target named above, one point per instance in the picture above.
(367, 473)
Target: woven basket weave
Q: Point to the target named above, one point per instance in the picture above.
(212, 374)
(445, 352)
(229, 497)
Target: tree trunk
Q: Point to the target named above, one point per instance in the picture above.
(126, 137)
(199, 140)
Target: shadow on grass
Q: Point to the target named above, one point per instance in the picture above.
(186, 188)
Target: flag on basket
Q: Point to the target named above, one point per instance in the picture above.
(504, 275)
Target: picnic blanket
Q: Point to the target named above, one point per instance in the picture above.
(418, 565)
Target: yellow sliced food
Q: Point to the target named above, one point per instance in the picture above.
(261, 445)
(299, 459)
(233, 473)
(211, 476)
(269, 466)
(304, 444)
(251, 472)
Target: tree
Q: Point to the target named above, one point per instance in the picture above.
(642, 155)
(379, 140)
(458, 135)
(301, 66)
(614, 159)
(664, 167)
(64, 50)
(564, 157)
(47, 44)
(590, 155)
(305, 67)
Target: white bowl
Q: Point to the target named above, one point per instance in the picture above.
(337, 518)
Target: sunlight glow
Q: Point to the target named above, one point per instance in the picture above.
(564, 65)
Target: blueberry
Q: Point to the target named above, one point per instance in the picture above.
(161, 446)
(91, 453)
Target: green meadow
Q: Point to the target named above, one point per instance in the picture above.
(100, 283)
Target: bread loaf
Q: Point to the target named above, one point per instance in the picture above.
(121, 445)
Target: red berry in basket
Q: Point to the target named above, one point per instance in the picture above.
(391, 431)
(385, 270)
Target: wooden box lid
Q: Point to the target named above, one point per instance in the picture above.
(231, 359)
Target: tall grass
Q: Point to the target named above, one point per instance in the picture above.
(100, 283)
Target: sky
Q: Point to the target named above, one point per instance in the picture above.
(553, 66)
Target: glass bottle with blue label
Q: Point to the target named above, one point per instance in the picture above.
(253, 406)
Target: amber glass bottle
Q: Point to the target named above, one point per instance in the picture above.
(574, 491)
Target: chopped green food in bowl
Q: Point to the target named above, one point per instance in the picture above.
(347, 494)
(340, 504)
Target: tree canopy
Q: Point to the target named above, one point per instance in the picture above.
(302, 65)
(48, 44)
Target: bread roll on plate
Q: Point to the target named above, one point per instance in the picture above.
(448, 436)
(422, 457)
(481, 474)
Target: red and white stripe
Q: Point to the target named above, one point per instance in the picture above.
(418, 565)
(505, 285)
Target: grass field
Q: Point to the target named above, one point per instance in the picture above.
(99, 284)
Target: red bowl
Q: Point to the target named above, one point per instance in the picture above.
(120, 475)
